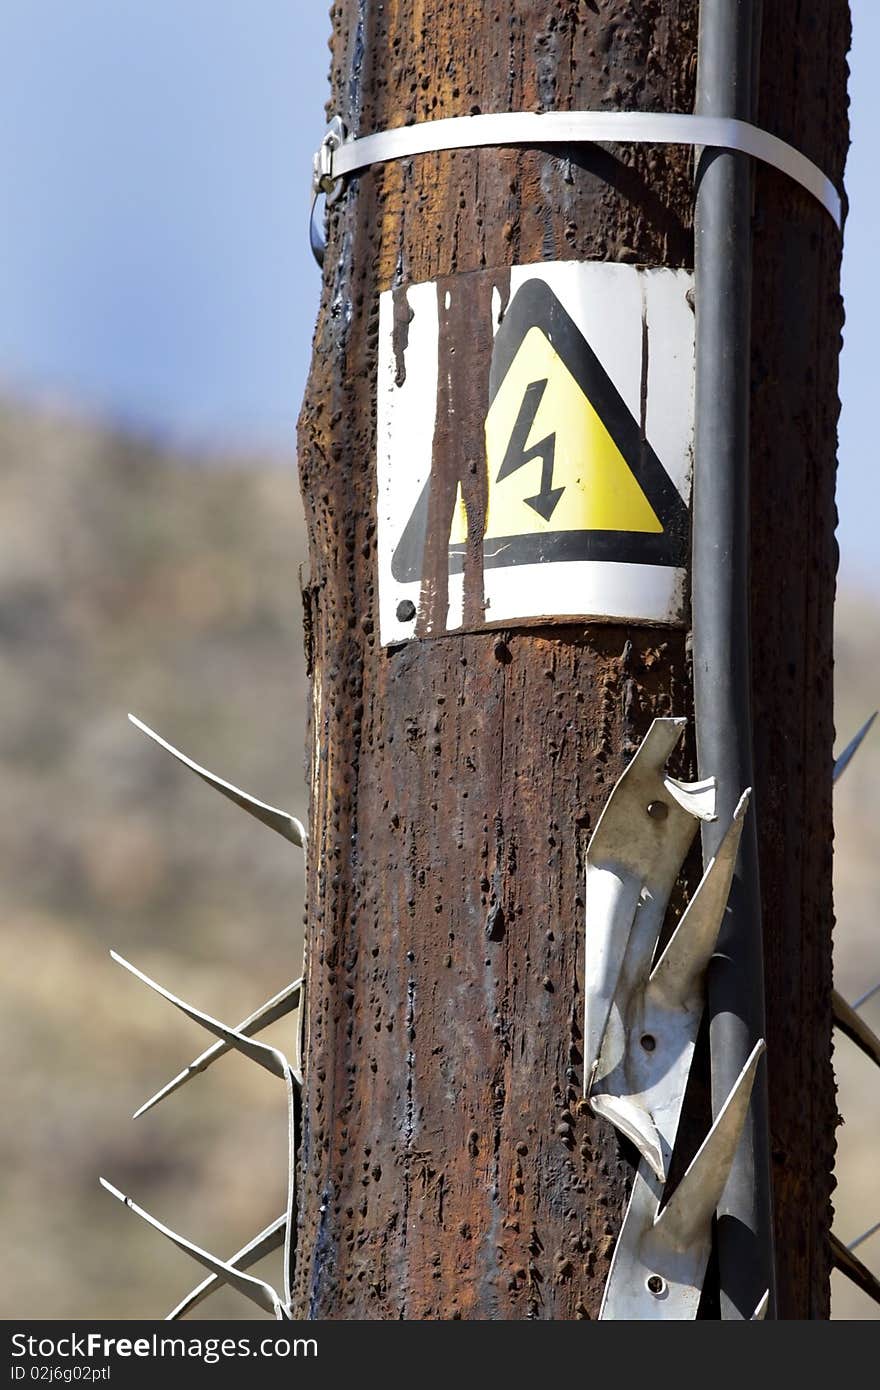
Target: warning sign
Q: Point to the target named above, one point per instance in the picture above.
(535, 431)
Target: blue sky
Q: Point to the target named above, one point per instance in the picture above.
(155, 159)
(154, 266)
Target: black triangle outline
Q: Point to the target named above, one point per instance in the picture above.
(536, 306)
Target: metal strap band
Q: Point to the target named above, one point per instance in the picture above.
(340, 156)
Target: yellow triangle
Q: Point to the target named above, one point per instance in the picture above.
(600, 492)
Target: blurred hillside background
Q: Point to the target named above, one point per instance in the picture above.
(157, 302)
(132, 580)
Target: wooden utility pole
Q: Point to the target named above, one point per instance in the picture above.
(448, 1169)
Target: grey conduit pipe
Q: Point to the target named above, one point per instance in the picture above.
(728, 37)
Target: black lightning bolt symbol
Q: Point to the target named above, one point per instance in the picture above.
(544, 503)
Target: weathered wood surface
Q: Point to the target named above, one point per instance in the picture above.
(447, 1168)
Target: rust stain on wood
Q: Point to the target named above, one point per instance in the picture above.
(458, 462)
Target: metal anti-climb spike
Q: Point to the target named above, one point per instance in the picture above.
(633, 859)
(855, 1027)
(687, 1216)
(273, 1060)
(760, 1312)
(846, 757)
(660, 1259)
(866, 1235)
(851, 1266)
(868, 994)
(281, 821)
(265, 1056)
(257, 1290)
(677, 978)
(282, 1004)
(646, 1055)
(646, 1036)
(263, 1244)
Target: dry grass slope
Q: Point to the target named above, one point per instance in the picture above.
(128, 581)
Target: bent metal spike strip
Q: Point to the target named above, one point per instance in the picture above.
(280, 1233)
(642, 1015)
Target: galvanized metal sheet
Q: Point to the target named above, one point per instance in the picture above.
(661, 1255)
(534, 440)
(642, 1016)
(633, 859)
